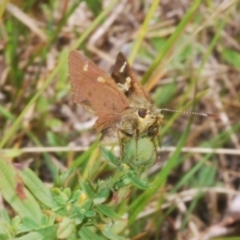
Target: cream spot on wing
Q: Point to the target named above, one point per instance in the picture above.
(101, 79)
(128, 83)
(123, 67)
(126, 86)
(85, 67)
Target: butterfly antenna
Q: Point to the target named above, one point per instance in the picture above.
(190, 113)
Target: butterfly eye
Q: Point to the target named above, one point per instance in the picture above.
(142, 112)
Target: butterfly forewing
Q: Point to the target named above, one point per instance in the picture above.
(93, 88)
(125, 77)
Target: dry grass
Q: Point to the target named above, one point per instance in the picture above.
(188, 55)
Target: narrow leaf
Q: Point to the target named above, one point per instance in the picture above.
(107, 211)
(139, 183)
(16, 194)
(37, 188)
(86, 234)
(109, 156)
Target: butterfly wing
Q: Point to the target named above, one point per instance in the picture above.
(93, 88)
(126, 79)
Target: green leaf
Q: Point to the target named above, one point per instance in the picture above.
(117, 227)
(16, 194)
(5, 225)
(4, 237)
(77, 195)
(102, 196)
(86, 234)
(95, 6)
(4, 216)
(60, 199)
(110, 156)
(79, 219)
(30, 224)
(110, 235)
(31, 236)
(90, 213)
(37, 188)
(88, 189)
(49, 233)
(107, 211)
(65, 228)
(68, 192)
(123, 182)
(62, 178)
(138, 182)
(88, 204)
(232, 57)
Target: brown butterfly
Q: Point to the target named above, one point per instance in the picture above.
(120, 102)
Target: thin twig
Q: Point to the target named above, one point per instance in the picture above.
(227, 151)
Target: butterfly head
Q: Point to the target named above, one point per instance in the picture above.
(140, 121)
